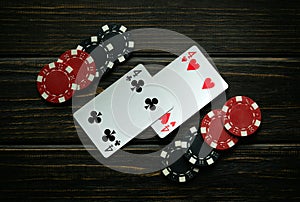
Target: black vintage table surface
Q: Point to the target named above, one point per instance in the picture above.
(255, 45)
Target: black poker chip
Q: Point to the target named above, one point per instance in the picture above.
(89, 44)
(120, 39)
(199, 153)
(101, 53)
(181, 170)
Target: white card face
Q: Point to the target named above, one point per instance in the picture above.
(202, 83)
(184, 102)
(147, 107)
(98, 119)
(128, 103)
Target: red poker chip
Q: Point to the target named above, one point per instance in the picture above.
(213, 132)
(56, 82)
(83, 66)
(242, 116)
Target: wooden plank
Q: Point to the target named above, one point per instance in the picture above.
(272, 82)
(49, 28)
(254, 172)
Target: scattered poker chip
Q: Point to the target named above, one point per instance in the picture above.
(102, 54)
(198, 153)
(89, 44)
(181, 170)
(56, 82)
(242, 116)
(83, 66)
(116, 34)
(214, 133)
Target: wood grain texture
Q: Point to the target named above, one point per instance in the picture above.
(37, 28)
(247, 173)
(30, 120)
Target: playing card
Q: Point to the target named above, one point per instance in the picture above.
(145, 108)
(184, 102)
(198, 72)
(195, 82)
(128, 98)
(97, 117)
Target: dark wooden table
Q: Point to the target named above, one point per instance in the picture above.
(255, 45)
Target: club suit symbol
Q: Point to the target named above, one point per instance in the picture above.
(109, 135)
(137, 85)
(95, 117)
(117, 143)
(150, 103)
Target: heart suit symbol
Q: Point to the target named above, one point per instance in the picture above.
(208, 83)
(193, 65)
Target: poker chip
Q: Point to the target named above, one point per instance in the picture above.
(116, 34)
(242, 116)
(102, 54)
(198, 153)
(83, 66)
(181, 170)
(214, 133)
(56, 82)
(89, 44)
